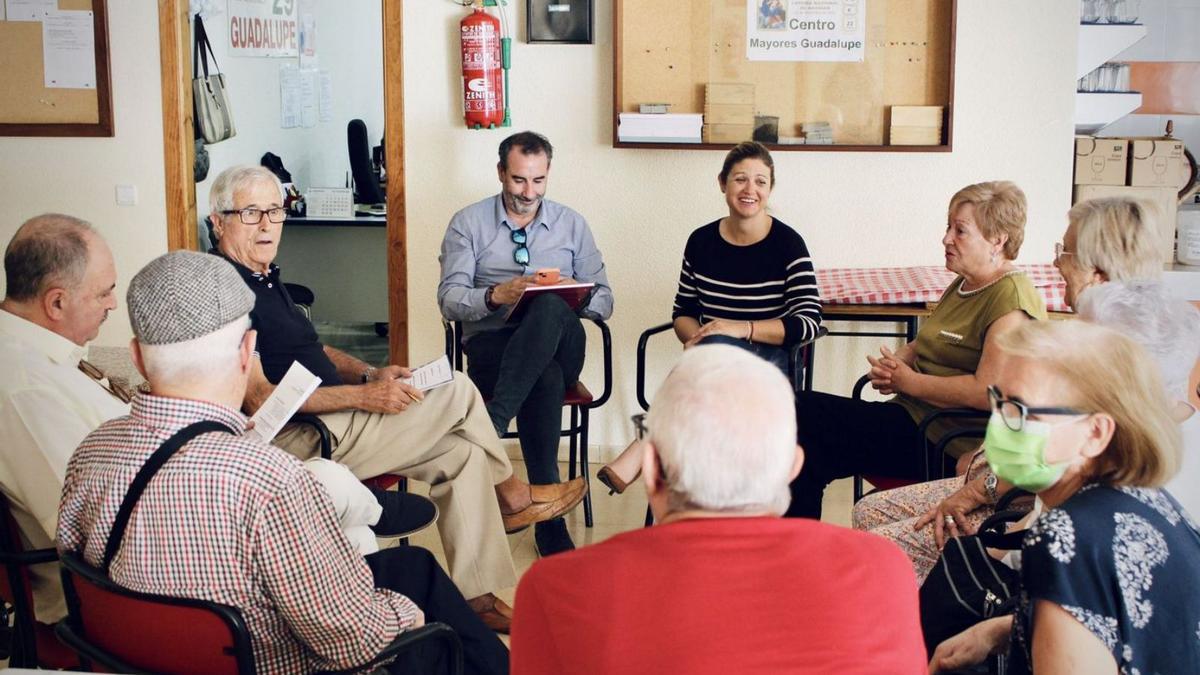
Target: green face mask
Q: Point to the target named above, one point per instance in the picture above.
(1019, 456)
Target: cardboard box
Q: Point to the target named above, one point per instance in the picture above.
(729, 113)
(729, 92)
(917, 116)
(728, 133)
(1156, 162)
(1163, 199)
(1100, 161)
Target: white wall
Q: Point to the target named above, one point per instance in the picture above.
(1013, 119)
(78, 175)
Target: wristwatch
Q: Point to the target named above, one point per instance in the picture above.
(989, 486)
(487, 298)
(367, 374)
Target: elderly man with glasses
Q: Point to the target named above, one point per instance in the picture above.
(379, 423)
(489, 254)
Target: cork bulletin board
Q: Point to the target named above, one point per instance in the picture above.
(667, 51)
(28, 107)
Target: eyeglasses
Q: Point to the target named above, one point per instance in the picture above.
(521, 255)
(1060, 251)
(253, 216)
(1014, 413)
(639, 426)
(117, 389)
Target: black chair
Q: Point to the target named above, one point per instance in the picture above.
(933, 451)
(366, 182)
(579, 399)
(126, 631)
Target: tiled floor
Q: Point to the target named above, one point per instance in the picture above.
(613, 514)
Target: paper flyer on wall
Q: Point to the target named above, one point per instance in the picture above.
(805, 30)
(69, 50)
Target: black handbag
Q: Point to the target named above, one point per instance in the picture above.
(967, 585)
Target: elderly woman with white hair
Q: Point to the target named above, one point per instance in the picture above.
(722, 583)
(1080, 418)
(1106, 240)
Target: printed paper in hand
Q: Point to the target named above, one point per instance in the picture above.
(293, 390)
(431, 375)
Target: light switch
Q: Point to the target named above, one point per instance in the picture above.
(126, 195)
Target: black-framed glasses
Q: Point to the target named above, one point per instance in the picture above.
(252, 216)
(521, 254)
(1014, 413)
(1060, 251)
(639, 426)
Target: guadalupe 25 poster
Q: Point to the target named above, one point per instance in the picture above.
(805, 30)
(263, 28)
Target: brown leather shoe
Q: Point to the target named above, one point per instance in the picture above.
(549, 502)
(494, 613)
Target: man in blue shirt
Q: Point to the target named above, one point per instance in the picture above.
(489, 253)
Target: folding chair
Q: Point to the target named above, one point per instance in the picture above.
(579, 399)
(33, 644)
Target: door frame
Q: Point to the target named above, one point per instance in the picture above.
(175, 56)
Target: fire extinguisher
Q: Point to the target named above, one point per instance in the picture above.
(486, 60)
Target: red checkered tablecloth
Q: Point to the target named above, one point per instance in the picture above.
(918, 285)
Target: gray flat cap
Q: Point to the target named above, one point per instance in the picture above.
(185, 295)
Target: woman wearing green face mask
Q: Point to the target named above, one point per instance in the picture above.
(1080, 417)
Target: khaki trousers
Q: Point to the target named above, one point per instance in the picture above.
(446, 440)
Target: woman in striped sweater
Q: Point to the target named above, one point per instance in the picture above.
(747, 280)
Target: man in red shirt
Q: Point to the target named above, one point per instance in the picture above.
(721, 584)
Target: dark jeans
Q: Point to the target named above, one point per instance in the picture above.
(843, 437)
(524, 372)
(776, 356)
(414, 573)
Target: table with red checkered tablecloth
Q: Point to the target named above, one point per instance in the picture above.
(920, 285)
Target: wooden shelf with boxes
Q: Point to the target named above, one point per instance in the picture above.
(692, 55)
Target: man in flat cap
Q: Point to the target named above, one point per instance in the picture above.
(378, 423)
(231, 519)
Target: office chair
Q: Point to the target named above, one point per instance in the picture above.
(366, 183)
(32, 644)
(579, 399)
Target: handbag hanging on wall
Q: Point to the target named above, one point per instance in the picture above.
(213, 117)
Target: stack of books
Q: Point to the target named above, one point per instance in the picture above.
(728, 112)
(916, 125)
(659, 127)
(817, 133)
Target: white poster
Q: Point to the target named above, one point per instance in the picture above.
(263, 28)
(326, 97)
(69, 50)
(308, 98)
(28, 10)
(805, 30)
(308, 40)
(289, 96)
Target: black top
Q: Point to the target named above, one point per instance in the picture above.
(1123, 562)
(285, 335)
(772, 279)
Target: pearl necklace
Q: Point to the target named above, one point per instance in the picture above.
(977, 291)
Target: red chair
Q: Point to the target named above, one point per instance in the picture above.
(129, 632)
(579, 399)
(33, 643)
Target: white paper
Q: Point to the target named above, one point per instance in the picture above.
(28, 10)
(69, 50)
(293, 390)
(431, 375)
(289, 96)
(805, 30)
(308, 40)
(326, 86)
(308, 98)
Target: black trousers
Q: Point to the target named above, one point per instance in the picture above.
(844, 437)
(524, 372)
(413, 572)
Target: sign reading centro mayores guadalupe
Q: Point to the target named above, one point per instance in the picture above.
(263, 28)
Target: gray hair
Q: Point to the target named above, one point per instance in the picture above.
(208, 358)
(50, 250)
(235, 179)
(724, 426)
(1117, 236)
(1145, 311)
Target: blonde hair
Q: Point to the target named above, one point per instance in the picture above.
(1106, 372)
(999, 210)
(1117, 236)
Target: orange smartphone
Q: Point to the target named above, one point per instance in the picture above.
(546, 276)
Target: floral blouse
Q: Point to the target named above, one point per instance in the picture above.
(1125, 562)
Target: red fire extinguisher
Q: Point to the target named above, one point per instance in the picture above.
(484, 57)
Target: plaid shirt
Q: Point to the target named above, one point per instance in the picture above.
(233, 521)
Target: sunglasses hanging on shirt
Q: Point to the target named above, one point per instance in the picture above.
(521, 254)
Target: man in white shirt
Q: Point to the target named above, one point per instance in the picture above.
(61, 284)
